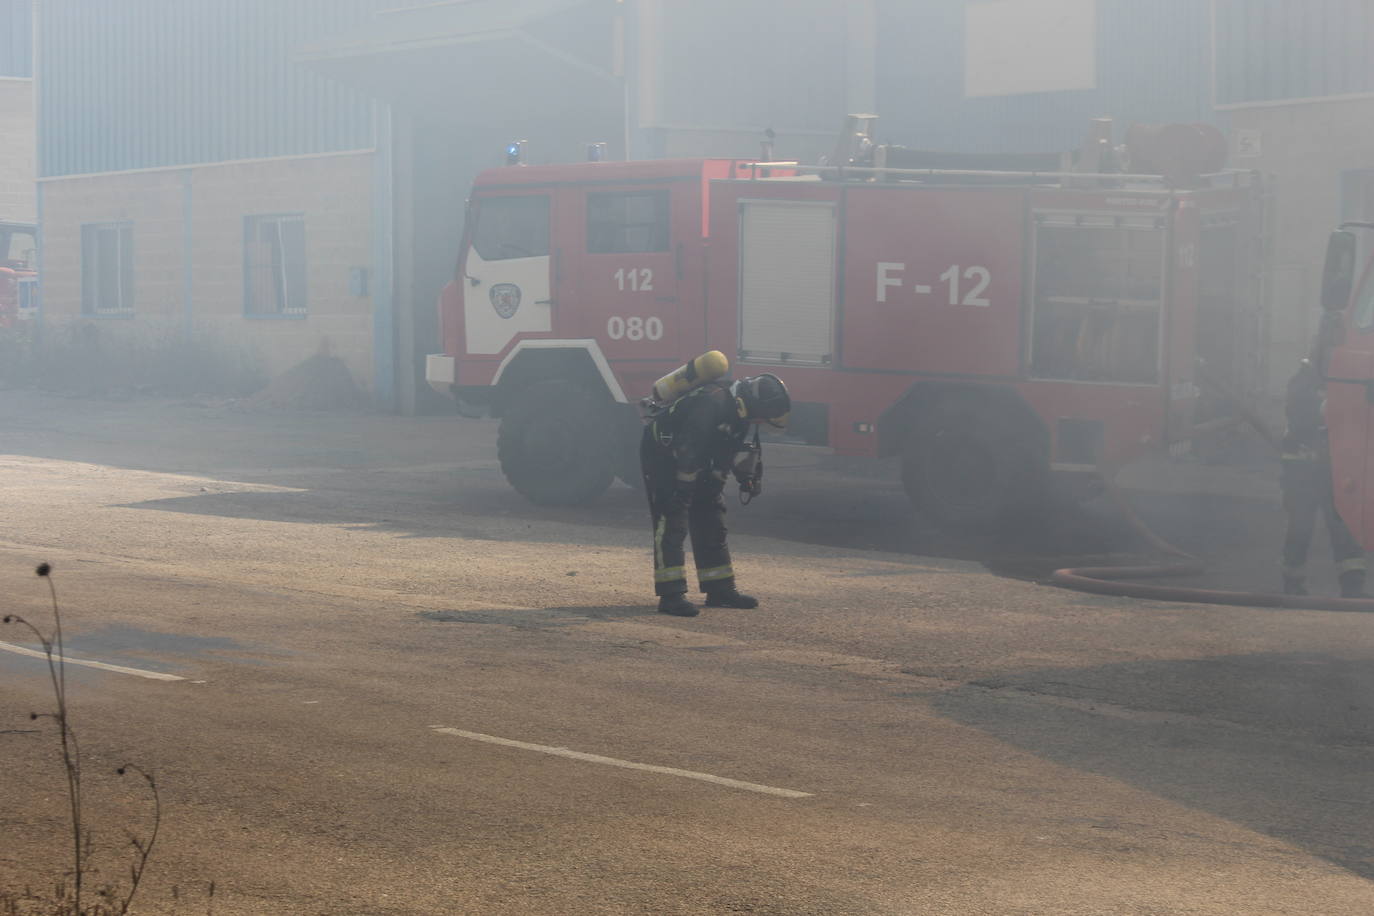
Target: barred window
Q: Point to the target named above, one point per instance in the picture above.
(274, 264)
(107, 268)
(1099, 282)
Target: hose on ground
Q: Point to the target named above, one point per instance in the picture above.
(1107, 580)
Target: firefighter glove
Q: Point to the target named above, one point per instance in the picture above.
(746, 465)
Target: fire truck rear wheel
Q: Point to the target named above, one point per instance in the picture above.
(973, 469)
(554, 444)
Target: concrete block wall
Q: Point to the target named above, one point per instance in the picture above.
(151, 201)
(334, 194)
(192, 219)
(18, 164)
(1304, 149)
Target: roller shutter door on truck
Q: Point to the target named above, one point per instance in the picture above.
(787, 282)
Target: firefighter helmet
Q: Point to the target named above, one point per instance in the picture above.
(763, 397)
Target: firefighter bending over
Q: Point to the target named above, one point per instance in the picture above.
(688, 451)
(1308, 491)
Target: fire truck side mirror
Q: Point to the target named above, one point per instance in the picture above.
(1338, 274)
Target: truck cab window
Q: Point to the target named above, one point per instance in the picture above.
(1364, 302)
(17, 249)
(1098, 284)
(627, 223)
(511, 227)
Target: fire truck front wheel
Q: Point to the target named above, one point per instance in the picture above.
(971, 469)
(553, 444)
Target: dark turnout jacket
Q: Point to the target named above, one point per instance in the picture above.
(1306, 436)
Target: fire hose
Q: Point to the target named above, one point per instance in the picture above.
(1108, 580)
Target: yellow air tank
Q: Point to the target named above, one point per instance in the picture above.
(705, 368)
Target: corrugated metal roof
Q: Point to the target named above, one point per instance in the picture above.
(448, 23)
(753, 65)
(16, 37)
(539, 60)
(1153, 65)
(151, 83)
(1270, 50)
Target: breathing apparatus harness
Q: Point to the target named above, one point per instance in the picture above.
(747, 466)
(749, 470)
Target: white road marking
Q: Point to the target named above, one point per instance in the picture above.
(86, 663)
(626, 764)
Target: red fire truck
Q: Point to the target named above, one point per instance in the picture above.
(18, 274)
(1345, 347)
(989, 321)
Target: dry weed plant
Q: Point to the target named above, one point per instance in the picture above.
(73, 895)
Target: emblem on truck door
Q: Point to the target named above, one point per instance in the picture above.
(505, 298)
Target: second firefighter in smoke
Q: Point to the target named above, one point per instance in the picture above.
(689, 450)
(1308, 492)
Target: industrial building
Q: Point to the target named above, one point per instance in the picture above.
(274, 178)
(18, 200)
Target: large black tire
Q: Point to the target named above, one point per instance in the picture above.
(555, 444)
(973, 465)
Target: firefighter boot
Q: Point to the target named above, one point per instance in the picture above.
(1352, 584)
(1294, 585)
(677, 605)
(730, 597)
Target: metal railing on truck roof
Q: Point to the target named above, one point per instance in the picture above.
(1229, 178)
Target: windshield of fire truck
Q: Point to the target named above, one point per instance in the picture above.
(18, 249)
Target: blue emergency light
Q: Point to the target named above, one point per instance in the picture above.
(515, 153)
(596, 152)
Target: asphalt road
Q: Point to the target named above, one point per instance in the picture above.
(404, 690)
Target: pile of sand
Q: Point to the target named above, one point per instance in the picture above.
(321, 382)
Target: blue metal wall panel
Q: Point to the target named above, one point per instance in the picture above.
(150, 83)
(1270, 50)
(16, 37)
(779, 64)
(1153, 65)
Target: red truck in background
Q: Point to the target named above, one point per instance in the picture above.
(1344, 350)
(18, 271)
(991, 321)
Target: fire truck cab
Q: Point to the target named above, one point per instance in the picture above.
(18, 270)
(1344, 349)
(986, 325)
